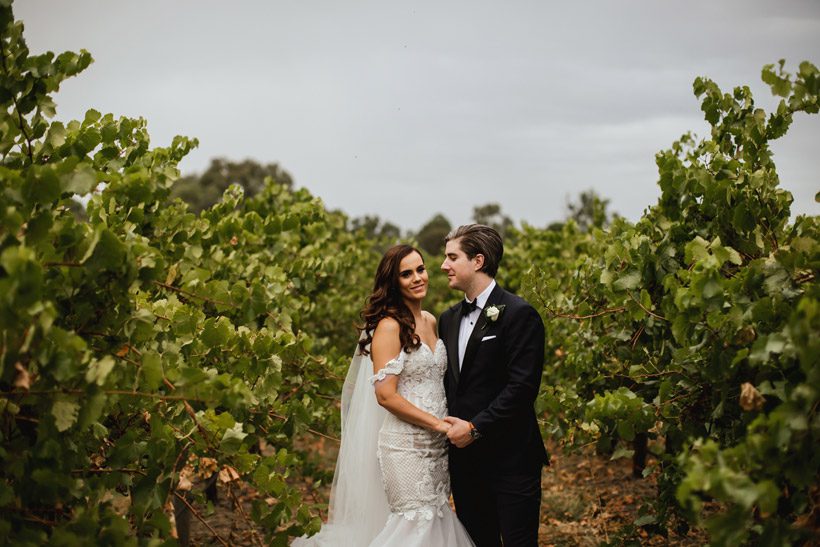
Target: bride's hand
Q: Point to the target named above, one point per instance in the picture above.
(442, 426)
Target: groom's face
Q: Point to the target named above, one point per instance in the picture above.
(459, 268)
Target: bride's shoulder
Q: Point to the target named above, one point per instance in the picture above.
(386, 326)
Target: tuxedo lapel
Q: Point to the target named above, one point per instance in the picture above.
(452, 345)
(474, 343)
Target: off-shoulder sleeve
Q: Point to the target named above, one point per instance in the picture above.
(394, 366)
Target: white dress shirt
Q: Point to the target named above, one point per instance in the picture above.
(465, 329)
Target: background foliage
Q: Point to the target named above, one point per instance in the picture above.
(148, 336)
(696, 326)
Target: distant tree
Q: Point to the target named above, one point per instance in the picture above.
(202, 191)
(431, 235)
(375, 228)
(590, 211)
(491, 215)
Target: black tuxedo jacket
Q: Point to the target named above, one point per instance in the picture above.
(497, 385)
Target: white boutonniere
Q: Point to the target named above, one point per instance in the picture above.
(492, 313)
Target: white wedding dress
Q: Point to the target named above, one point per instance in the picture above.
(413, 460)
(412, 508)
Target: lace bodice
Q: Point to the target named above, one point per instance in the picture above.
(421, 374)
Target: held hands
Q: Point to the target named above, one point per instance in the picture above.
(442, 426)
(459, 432)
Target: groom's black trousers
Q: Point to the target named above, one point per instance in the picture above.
(494, 507)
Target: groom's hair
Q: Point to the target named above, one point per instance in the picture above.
(477, 239)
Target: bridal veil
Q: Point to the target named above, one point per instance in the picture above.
(358, 507)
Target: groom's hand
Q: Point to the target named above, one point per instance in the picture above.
(459, 433)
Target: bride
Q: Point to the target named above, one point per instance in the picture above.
(392, 485)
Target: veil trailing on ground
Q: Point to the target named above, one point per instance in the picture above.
(358, 507)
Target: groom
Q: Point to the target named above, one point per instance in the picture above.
(495, 350)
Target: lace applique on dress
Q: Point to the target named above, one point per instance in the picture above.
(394, 366)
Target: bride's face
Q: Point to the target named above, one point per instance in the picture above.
(412, 277)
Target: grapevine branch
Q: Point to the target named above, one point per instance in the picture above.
(291, 393)
(319, 433)
(176, 466)
(65, 264)
(651, 375)
(605, 311)
(199, 426)
(244, 515)
(554, 313)
(199, 517)
(106, 470)
(107, 392)
(40, 520)
(193, 295)
(599, 500)
(655, 315)
(636, 336)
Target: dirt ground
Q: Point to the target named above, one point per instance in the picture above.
(587, 500)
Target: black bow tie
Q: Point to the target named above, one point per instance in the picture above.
(468, 307)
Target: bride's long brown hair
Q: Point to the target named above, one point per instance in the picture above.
(386, 301)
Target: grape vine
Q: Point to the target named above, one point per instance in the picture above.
(695, 328)
(146, 340)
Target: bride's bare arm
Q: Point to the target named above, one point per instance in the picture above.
(385, 347)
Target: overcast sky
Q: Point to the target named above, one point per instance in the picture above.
(406, 109)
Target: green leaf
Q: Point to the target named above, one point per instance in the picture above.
(6, 494)
(712, 288)
(742, 217)
(216, 332)
(41, 187)
(645, 519)
(65, 413)
(734, 256)
(626, 430)
(697, 250)
(56, 136)
(629, 281)
(81, 181)
(646, 300)
(92, 116)
(151, 370)
(622, 452)
(92, 410)
(99, 370)
(39, 226)
(107, 253)
(232, 439)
